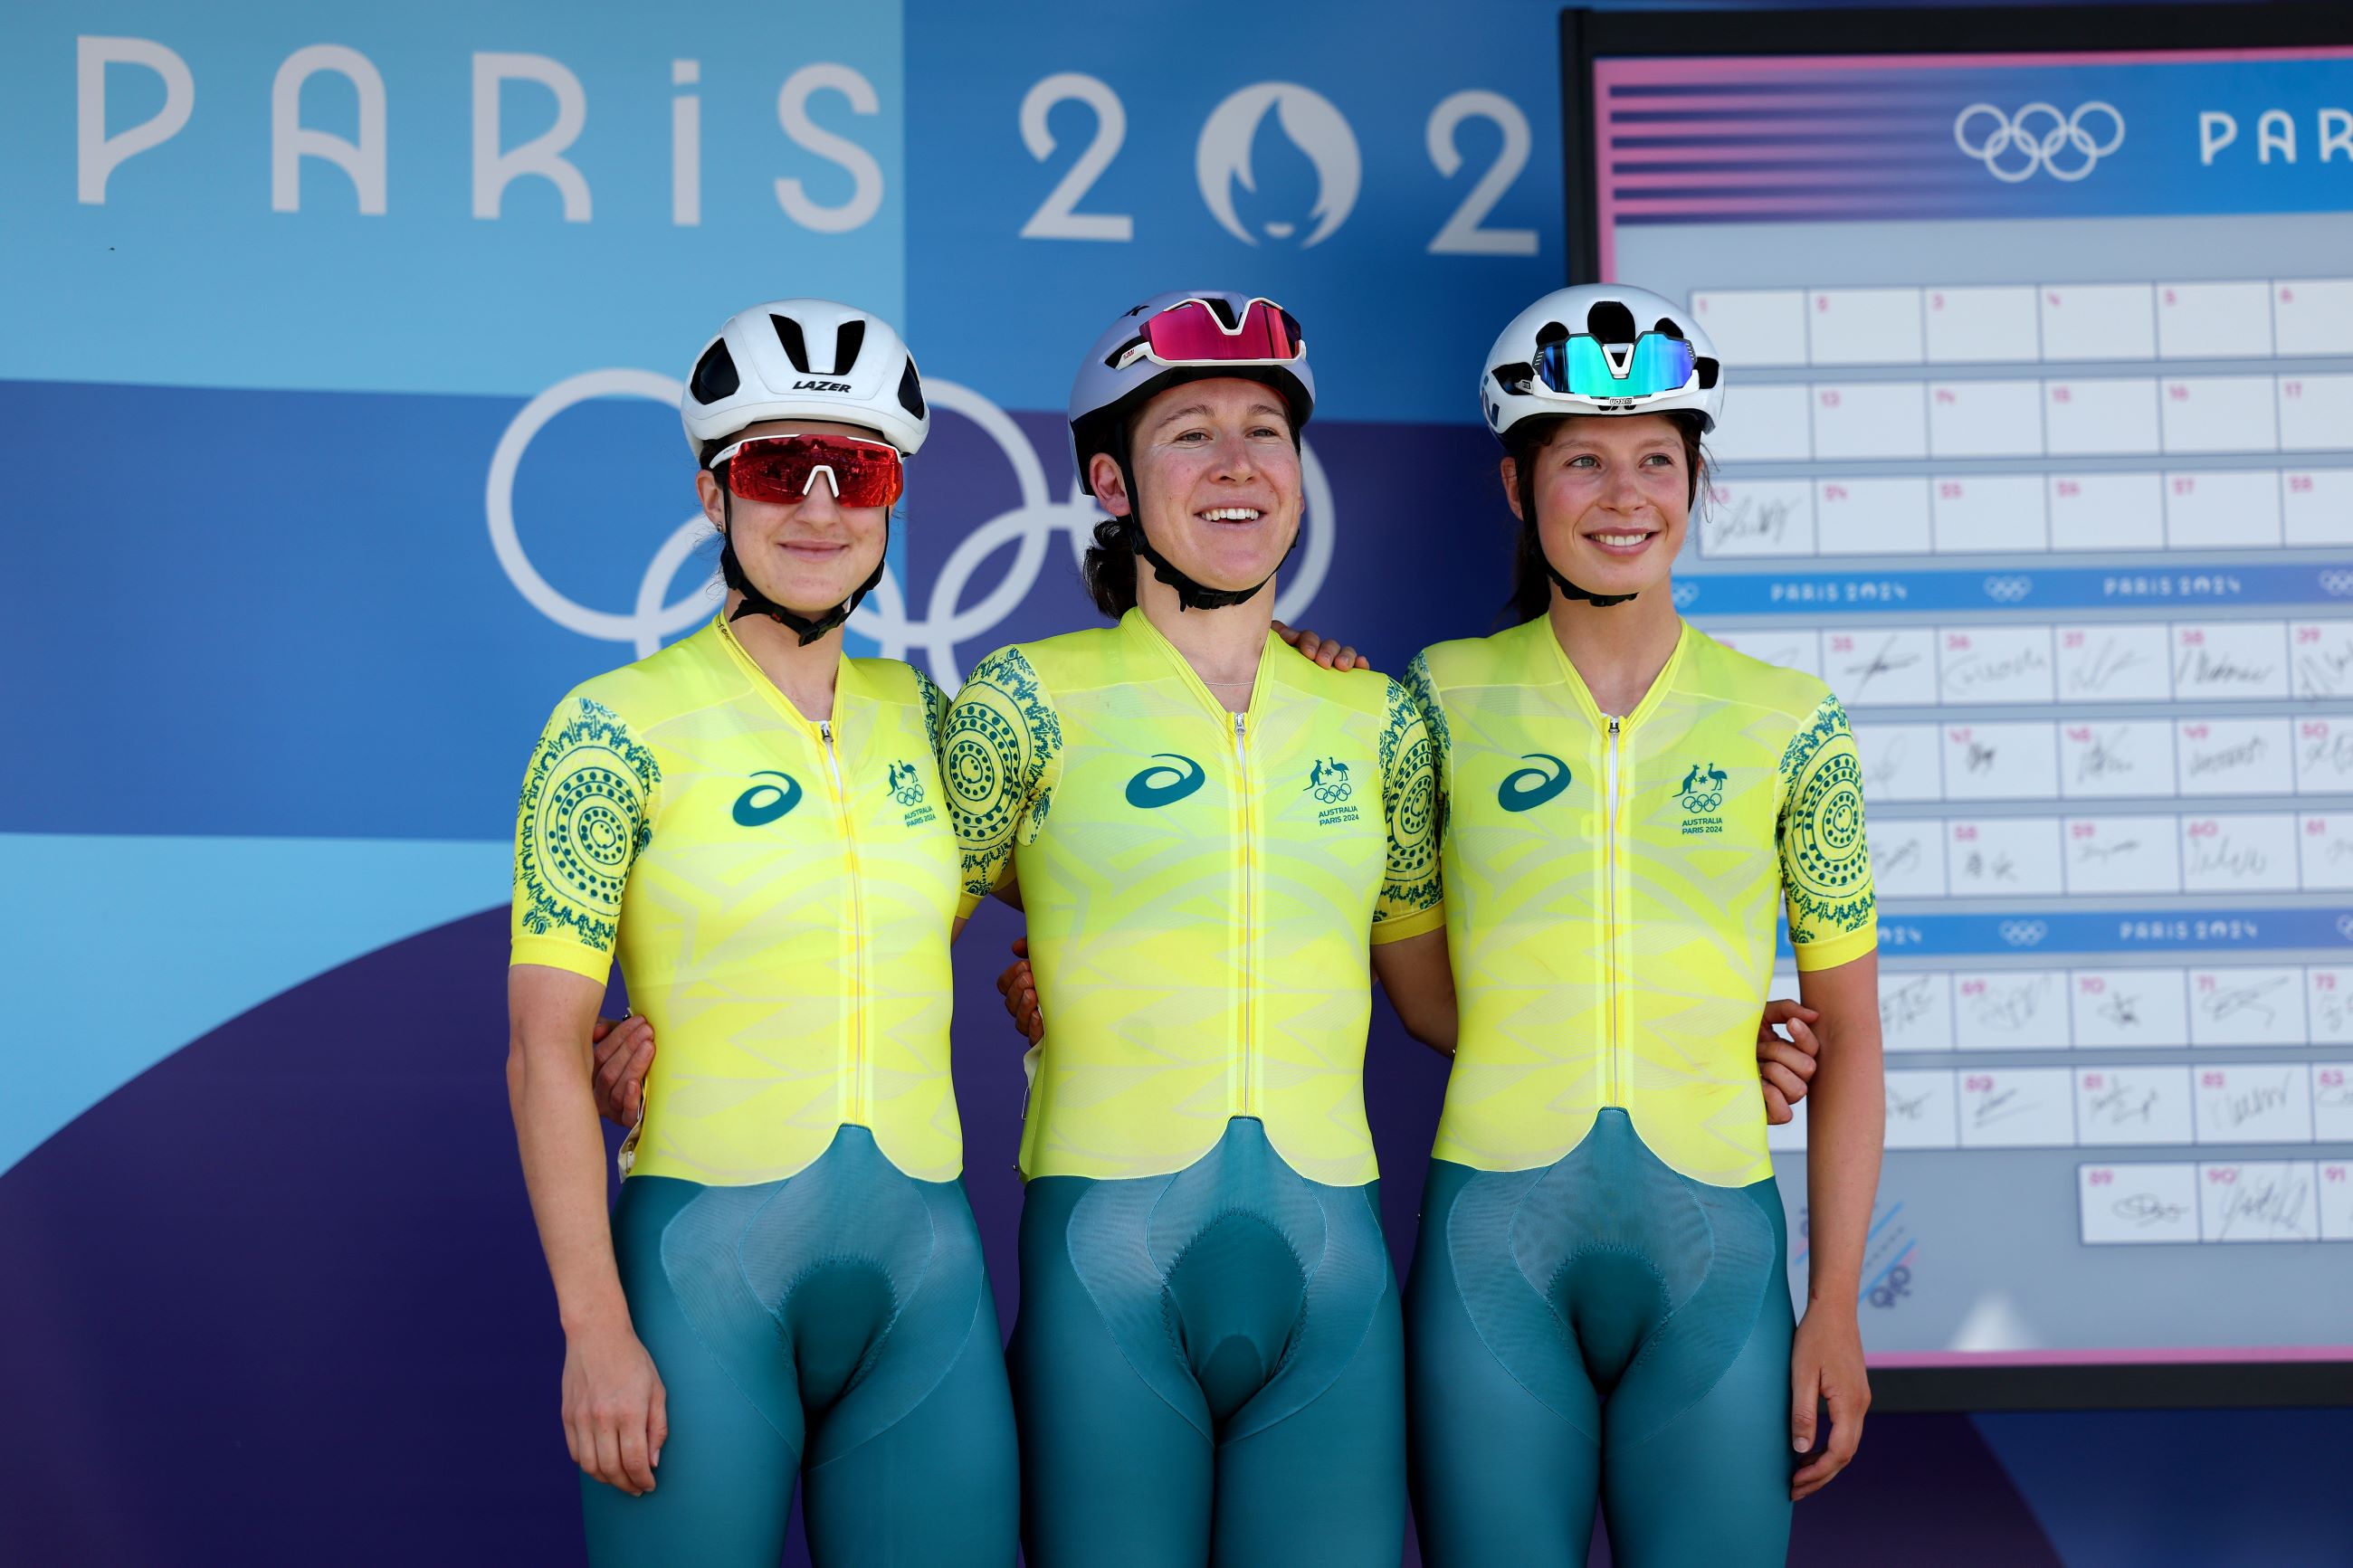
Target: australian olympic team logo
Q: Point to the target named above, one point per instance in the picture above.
(1525, 789)
(2039, 139)
(1702, 795)
(906, 784)
(765, 803)
(1328, 781)
(1168, 780)
(948, 619)
(1703, 788)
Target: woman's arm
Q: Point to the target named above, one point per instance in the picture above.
(614, 1420)
(1414, 970)
(1845, 1131)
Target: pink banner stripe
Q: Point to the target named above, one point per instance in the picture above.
(1831, 96)
(1667, 205)
(1762, 153)
(1812, 67)
(1830, 133)
(2185, 1355)
(1650, 184)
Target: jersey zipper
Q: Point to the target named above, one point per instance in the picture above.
(855, 1109)
(1245, 1101)
(1613, 1078)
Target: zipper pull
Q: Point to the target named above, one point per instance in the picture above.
(1242, 745)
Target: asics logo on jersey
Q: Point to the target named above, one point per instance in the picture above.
(763, 803)
(1161, 785)
(1525, 789)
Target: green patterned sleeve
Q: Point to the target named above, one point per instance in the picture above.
(935, 716)
(1412, 899)
(1825, 858)
(588, 811)
(1423, 691)
(1002, 754)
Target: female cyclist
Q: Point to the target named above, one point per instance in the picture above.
(791, 1282)
(1209, 845)
(1599, 1306)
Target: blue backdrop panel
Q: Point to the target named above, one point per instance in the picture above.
(314, 510)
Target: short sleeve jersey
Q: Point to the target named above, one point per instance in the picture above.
(779, 893)
(1200, 889)
(1613, 887)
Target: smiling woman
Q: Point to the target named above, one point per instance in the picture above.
(1207, 1357)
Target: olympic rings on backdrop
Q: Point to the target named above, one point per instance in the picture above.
(948, 620)
(2041, 136)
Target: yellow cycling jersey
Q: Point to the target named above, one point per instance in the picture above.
(1613, 885)
(781, 895)
(1200, 888)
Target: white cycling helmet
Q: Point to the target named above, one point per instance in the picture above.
(806, 359)
(1186, 334)
(1600, 348)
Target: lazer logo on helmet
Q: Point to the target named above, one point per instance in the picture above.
(821, 386)
(1161, 785)
(1525, 789)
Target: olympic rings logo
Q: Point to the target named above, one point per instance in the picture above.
(2009, 590)
(948, 620)
(2345, 927)
(2038, 137)
(2024, 933)
(2336, 584)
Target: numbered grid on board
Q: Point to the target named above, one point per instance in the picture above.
(2047, 420)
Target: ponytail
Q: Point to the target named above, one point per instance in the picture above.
(1108, 569)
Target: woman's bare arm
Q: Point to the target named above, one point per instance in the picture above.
(1421, 983)
(1845, 1129)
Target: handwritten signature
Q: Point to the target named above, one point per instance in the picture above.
(2103, 755)
(1884, 660)
(2280, 1205)
(2123, 1102)
(1748, 519)
(2246, 752)
(2110, 660)
(2204, 667)
(1906, 1004)
(1971, 671)
(2218, 853)
(2219, 1004)
(2010, 1007)
(2323, 673)
(2238, 1107)
(2148, 1208)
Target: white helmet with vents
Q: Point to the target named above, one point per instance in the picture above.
(1600, 348)
(806, 359)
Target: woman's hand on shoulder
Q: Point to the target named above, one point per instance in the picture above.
(1324, 651)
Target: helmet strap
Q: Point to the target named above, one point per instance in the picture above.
(808, 628)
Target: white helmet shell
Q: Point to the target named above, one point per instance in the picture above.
(1614, 312)
(806, 359)
(1099, 389)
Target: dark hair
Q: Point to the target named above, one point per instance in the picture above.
(1531, 579)
(1108, 569)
